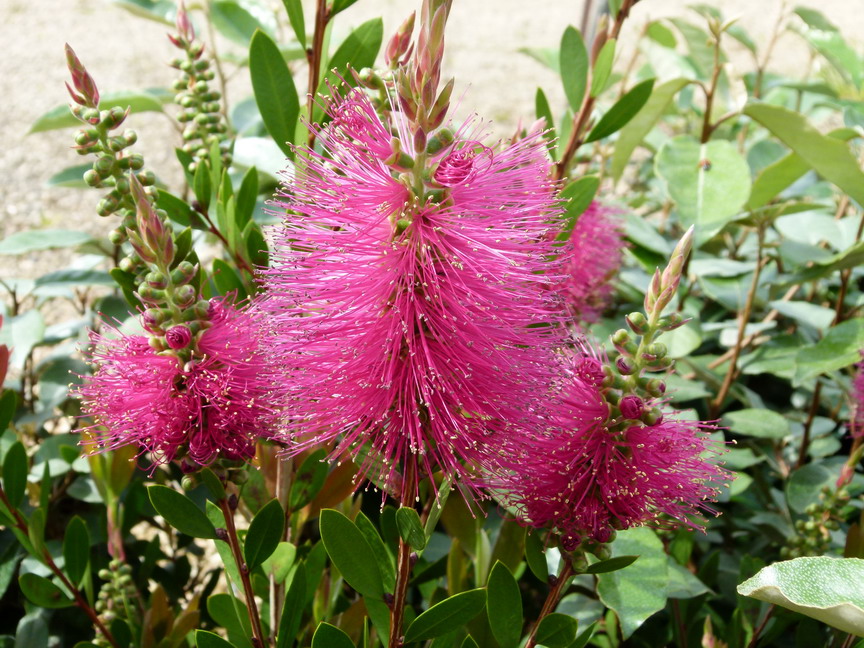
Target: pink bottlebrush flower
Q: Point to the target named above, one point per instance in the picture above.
(590, 476)
(857, 407)
(414, 327)
(592, 259)
(214, 406)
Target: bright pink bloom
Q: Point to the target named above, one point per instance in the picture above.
(585, 480)
(414, 328)
(858, 400)
(215, 406)
(592, 259)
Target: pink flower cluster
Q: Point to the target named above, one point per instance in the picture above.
(214, 406)
(592, 259)
(415, 325)
(590, 475)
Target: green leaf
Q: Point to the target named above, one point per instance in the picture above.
(280, 562)
(535, 557)
(329, 636)
(294, 9)
(759, 423)
(578, 195)
(205, 639)
(379, 551)
(246, 197)
(804, 486)
(213, 483)
(179, 210)
(46, 239)
(611, 564)
(72, 177)
(43, 592)
(350, 552)
(180, 512)
(831, 158)
(265, 532)
(822, 588)
(637, 128)
(126, 281)
(309, 479)
(708, 182)
(410, 528)
(20, 334)
(359, 50)
(602, 68)
(137, 100)
(851, 257)
(661, 34)
(292, 609)
(504, 606)
(202, 185)
(341, 5)
(574, 67)
(8, 405)
(275, 92)
(448, 615)
(838, 349)
(234, 21)
(227, 280)
(32, 631)
(541, 107)
(780, 175)
(15, 469)
(231, 613)
(622, 111)
(583, 639)
(162, 11)
(639, 591)
(556, 630)
(76, 549)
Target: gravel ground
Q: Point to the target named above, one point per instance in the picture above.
(123, 51)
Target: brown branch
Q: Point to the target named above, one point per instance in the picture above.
(555, 592)
(403, 564)
(249, 594)
(314, 57)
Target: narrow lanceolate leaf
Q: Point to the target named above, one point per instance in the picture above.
(350, 552)
(830, 157)
(410, 528)
(556, 631)
(574, 67)
(637, 128)
(823, 588)
(578, 195)
(15, 471)
(610, 565)
(329, 636)
(43, 592)
(292, 609)
(294, 8)
(274, 90)
(264, 533)
(504, 606)
(622, 111)
(450, 614)
(602, 68)
(379, 550)
(543, 111)
(76, 549)
(180, 512)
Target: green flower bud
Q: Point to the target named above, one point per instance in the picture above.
(91, 177)
(104, 165)
(185, 295)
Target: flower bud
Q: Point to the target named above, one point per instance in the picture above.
(631, 407)
(183, 273)
(185, 295)
(178, 337)
(589, 370)
(625, 367)
(91, 177)
(637, 322)
(652, 416)
(655, 387)
(156, 280)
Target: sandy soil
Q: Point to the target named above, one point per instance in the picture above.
(123, 51)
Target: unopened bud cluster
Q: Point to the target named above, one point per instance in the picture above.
(205, 124)
(175, 313)
(116, 597)
(813, 533)
(115, 167)
(629, 392)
